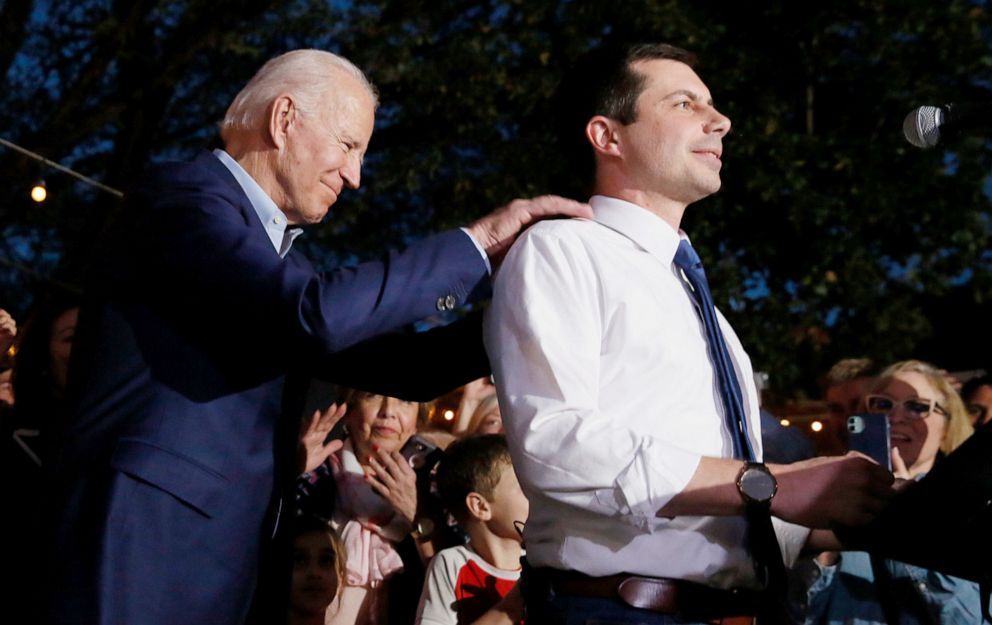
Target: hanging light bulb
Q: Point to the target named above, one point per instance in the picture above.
(39, 191)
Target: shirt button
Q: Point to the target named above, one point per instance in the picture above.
(446, 303)
(276, 220)
(923, 586)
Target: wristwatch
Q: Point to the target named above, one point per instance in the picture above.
(423, 528)
(756, 484)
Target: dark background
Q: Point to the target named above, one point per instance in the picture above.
(832, 236)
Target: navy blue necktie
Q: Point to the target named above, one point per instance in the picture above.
(730, 390)
(761, 541)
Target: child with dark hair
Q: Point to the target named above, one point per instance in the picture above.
(476, 583)
(318, 570)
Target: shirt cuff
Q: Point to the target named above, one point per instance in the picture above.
(791, 539)
(482, 251)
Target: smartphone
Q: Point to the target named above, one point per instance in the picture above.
(870, 434)
(420, 453)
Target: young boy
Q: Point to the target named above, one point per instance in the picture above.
(473, 583)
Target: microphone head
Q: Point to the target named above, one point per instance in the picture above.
(922, 126)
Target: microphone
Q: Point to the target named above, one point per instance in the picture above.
(926, 126)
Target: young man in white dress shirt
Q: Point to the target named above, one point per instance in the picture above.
(611, 404)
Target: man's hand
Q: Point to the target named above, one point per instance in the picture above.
(496, 231)
(820, 492)
(8, 330)
(312, 450)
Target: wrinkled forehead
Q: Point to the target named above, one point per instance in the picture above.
(350, 108)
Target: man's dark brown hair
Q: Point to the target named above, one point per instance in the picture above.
(471, 465)
(602, 82)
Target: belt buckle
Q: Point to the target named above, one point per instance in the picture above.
(648, 593)
(667, 596)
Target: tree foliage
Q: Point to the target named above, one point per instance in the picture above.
(832, 237)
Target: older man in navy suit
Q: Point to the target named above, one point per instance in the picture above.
(178, 445)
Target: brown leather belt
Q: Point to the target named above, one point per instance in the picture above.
(659, 594)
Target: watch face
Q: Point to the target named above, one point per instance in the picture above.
(758, 484)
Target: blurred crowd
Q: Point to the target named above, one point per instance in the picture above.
(404, 516)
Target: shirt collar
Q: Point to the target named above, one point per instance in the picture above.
(273, 220)
(638, 224)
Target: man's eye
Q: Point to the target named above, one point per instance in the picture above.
(683, 104)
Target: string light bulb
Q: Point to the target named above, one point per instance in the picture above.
(39, 192)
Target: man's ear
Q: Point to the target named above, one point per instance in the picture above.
(282, 115)
(478, 506)
(602, 134)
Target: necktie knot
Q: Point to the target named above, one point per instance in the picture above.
(686, 257)
(689, 262)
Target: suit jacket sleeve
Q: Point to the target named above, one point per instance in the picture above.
(206, 250)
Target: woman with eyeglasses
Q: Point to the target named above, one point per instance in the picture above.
(927, 420)
(926, 415)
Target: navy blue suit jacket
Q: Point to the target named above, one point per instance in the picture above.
(182, 424)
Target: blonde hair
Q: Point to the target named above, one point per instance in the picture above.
(308, 75)
(340, 558)
(483, 408)
(958, 425)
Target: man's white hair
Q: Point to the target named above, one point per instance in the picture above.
(308, 75)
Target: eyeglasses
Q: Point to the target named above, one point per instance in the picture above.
(916, 408)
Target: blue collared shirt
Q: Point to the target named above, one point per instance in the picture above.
(274, 220)
(280, 232)
(848, 594)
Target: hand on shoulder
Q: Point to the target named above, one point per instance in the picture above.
(497, 231)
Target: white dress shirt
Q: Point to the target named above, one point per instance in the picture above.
(609, 399)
